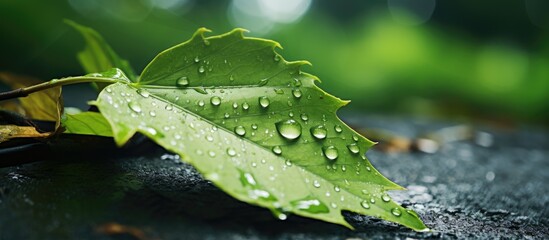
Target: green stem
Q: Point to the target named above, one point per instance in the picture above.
(23, 92)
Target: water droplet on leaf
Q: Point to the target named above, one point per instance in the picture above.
(330, 152)
(289, 129)
(215, 100)
(240, 130)
(319, 132)
(134, 107)
(264, 102)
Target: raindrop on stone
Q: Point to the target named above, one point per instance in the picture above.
(289, 129)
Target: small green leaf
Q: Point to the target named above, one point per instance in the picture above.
(86, 123)
(98, 56)
(256, 126)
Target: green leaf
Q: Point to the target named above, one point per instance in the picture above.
(87, 123)
(256, 126)
(98, 56)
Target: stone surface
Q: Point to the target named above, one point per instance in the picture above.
(464, 190)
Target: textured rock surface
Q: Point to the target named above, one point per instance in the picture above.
(464, 190)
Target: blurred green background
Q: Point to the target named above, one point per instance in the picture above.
(468, 59)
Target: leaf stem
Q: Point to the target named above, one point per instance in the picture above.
(23, 92)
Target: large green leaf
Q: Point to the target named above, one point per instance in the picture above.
(98, 56)
(86, 123)
(256, 126)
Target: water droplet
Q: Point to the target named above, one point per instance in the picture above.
(289, 129)
(365, 204)
(316, 184)
(209, 138)
(396, 212)
(152, 113)
(168, 107)
(353, 148)
(134, 107)
(235, 105)
(277, 150)
(240, 130)
(196, 59)
(336, 188)
(355, 138)
(385, 198)
(297, 93)
(144, 93)
(279, 91)
(109, 90)
(330, 152)
(304, 117)
(231, 152)
(211, 153)
(226, 115)
(200, 89)
(372, 200)
(215, 100)
(201, 103)
(182, 82)
(264, 101)
(254, 126)
(343, 168)
(263, 82)
(231, 78)
(201, 69)
(310, 204)
(338, 128)
(245, 106)
(288, 162)
(319, 132)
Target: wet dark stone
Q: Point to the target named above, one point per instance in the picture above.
(464, 190)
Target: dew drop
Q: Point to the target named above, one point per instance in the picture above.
(353, 148)
(201, 69)
(330, 152)
(235, 105)
(316, 184)
(196, 59)
(231, 152)
(109, 90)
(231, 78)
(201, 103)
(355, 138)
(336, 188)
(365, 204)
(254, 126)
(279, 91)
(144, 93)
(168, 107)
(288, 162)
(396, 212)
(338, 128)
(277, 150)
(211, 153)
(304, 117)
(209, 138)
(240, 130)
(182, 82)
(134, 107)
(289, 129)
(245, 106)
(152, 113)
(319, 132)
(385, 198)
(310, 204)
(264, 102)
(297, 93)
(215, 100)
